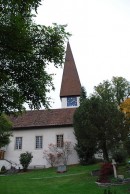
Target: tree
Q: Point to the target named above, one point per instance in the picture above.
(26, 50)
(85, 151)
(120, 89)
(99, 125)
(25, 159)
(51, 155)
(55, 155)
(66, 151)
(84, 147)
(115, 90)
(125, 107)
(5, 130)
(83, 94)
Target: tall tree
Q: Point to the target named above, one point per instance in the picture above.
(26, 49)
(85, 132)
(120, 89)
(125, 107)
(115, 90)
(83, 94)
(100, 125)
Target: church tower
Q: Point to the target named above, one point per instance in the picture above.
(70, 86)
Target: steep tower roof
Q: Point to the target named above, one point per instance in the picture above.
(70, 85)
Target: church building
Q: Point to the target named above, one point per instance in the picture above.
(34, 130)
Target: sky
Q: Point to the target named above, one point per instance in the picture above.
(100, 40)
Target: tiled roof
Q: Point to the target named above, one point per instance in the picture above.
(44, 118)
(70, 85)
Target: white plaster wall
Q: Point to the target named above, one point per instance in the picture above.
(5, 163)
(28, 144)
(64, 102)
(78, 101)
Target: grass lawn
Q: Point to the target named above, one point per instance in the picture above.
(77, 180)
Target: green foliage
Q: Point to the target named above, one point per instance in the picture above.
(120, 89)
(127, 145)
(98, 122)
(3, 169)
(25, 159)
(83, 94)
(99, 125)
(83, 133)
(115, 90)
(5, 130)
(20, 5)
(26, 50)
(85, 153)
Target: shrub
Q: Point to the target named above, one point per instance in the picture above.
(51, 158)
(105, 172)
(56, 156)
(25, 160)
(3, 169)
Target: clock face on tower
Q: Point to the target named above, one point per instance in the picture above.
(71, 101)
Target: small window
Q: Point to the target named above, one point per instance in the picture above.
(18, 143)
(39, 142)
(59, 141)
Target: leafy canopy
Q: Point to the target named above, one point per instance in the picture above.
(5, 130)
(125, 107)
(98, 122)
(26, 49)
(115, 90)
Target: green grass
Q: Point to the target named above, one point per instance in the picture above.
(77, 180)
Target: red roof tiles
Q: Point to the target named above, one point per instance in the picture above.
(44, 118)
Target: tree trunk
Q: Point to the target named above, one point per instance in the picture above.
(105, 153)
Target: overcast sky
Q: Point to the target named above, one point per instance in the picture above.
(100, 40)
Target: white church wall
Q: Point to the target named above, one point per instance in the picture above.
(64, 102)
(78, 101)
(28, 144)
(5, 163)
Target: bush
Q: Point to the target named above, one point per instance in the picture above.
(56, 156)
(105, 172)
(25, 160)
(3, 169)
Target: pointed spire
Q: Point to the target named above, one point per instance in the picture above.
(70, 85)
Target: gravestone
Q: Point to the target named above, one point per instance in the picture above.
(61, 169)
